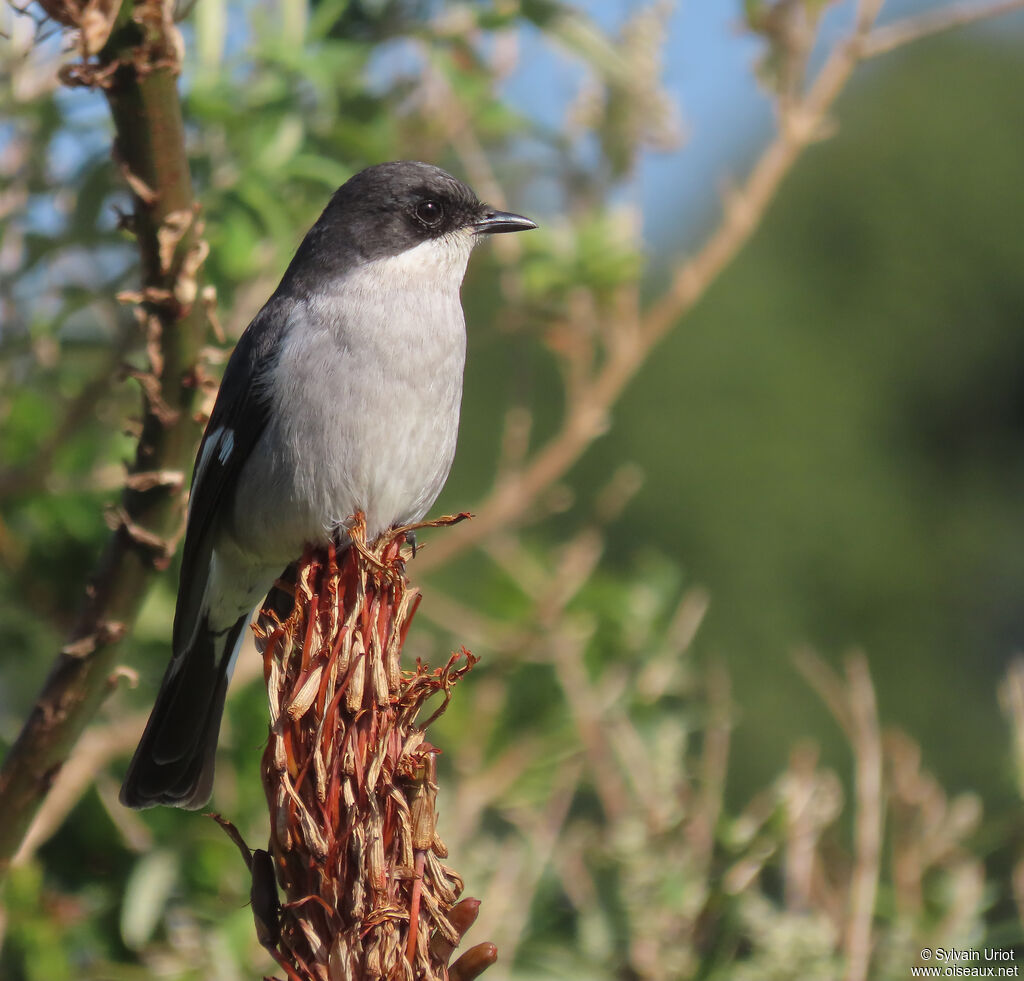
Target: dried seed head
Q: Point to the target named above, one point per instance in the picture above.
(349, 776)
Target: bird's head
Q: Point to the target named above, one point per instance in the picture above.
(405, 209)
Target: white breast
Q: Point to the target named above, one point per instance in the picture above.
(366, 394)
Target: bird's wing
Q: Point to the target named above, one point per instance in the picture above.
(239, 418)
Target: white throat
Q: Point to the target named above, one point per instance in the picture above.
(437, 265)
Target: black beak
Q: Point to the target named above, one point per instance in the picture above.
(502, 221)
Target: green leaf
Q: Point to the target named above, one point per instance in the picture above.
(148, 888)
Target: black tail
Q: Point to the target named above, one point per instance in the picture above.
(173, 764)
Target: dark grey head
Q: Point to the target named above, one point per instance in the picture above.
(389, 209)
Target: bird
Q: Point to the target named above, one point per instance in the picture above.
(342, 395)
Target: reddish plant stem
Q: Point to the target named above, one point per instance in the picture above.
(349, 776)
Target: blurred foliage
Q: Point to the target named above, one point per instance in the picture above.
(831, 444)
(846, 424)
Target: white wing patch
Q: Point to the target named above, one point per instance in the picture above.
(227, 443)
(222, 442)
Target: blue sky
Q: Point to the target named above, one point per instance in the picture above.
(709, 63)
(708, 71)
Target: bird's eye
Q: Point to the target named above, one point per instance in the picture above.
(429, 212)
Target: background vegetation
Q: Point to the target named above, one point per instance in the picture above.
(639, 784)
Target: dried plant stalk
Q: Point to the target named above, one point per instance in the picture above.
(349, 775)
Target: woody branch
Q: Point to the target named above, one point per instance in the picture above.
(131, 54)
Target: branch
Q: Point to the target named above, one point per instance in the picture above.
(854, 707)
(885, 39)
(802, 122)
(92, 754)
(134, 59)
(868, 817)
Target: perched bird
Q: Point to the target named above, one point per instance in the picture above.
(342, 395)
